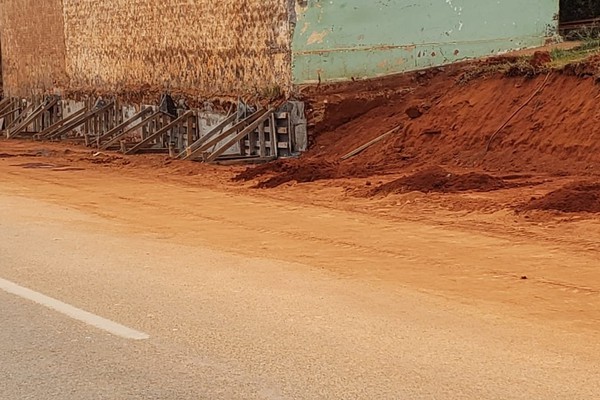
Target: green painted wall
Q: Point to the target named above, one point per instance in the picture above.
(344, 39)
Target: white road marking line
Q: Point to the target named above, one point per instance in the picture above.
(73, 312)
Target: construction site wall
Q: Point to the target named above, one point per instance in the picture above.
(33, 46)
(341, 40)
(253, 48)
(202, 48)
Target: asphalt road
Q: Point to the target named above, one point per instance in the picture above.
(222, 326)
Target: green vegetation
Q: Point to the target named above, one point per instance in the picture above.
(524, 65)
(590, 45)
(509, 66)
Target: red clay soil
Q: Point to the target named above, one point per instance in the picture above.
(574, 198)
(284, 171)
(555, 133)
(301, 170)
(589, 67)
(540, 58)
(437, 179)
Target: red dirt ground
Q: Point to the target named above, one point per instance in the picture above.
(437, 179)
(553, 141)
(540, 58)
(573, 198)
(555, 134)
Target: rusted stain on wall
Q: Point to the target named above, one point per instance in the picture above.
(202, 48)
(33, 46)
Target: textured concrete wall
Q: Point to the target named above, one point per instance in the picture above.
(33, 46)
(204, 48)
(342, 39)
(231, 48)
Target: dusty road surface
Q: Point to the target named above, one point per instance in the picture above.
(123, 286)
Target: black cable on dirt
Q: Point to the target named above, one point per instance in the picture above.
(517, 111)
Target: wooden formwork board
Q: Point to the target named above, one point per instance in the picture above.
(37, 113)
(61, 122)
(185, 116)
(139, 125)
(124, 124)
(187, 153)
(78, 121)
(244, 132)
(207, 142)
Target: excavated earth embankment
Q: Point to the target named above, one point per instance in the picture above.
(480, 121)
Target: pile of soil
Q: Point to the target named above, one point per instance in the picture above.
(254, 172)
(590, 67)
(284, 171)
(306, 169)
(553, 133)
(574, 198)
(540, 58)
(437, 179)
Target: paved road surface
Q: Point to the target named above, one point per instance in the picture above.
(222, 326)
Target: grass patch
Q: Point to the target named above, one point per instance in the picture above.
(526, 66)
(590, 44)
(561, 57)
(508, 66)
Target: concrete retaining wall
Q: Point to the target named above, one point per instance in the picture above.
(342, 39)
(253, 48)
(203, 48)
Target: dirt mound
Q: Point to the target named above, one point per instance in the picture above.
(437, 179)
(308, 169)
(254, 172)
(492, 126)
(540, 58)
(589, 67)
(574, 198)
(551, 133)
(283, 171)
(345, 110)
(474, 181)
